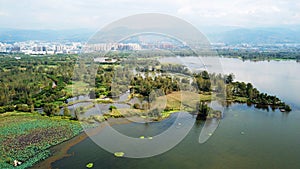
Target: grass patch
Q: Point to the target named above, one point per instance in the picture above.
(238, 99)
(77, 88)
(185, 100)
(207, 97)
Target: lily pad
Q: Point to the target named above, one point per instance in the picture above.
(89, 165)
(119, 154)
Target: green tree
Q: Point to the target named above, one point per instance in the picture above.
(205, 75)
(229, 91)
(229, 78)
(287, 108)
(203, 110)
(249, 90)
(66, 111)
(136, 106)
(112, 107)
(51, 109)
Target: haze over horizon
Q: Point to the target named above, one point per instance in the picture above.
(94, 14)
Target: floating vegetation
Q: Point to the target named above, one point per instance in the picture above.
(119, 154)
(26, 137)
(89, 165)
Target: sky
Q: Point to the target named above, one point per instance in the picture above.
(94, 14)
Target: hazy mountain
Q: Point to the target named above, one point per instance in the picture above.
(257, 35)
(229, 35)
(14, 35)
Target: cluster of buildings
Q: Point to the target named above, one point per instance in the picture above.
(111, 46)
(128, 46)
(41, 48)
(44, 48)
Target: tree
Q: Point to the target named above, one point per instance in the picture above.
(206, 86)
(76, 114)
(287, 108)
(203, 110)
(249, 90)
(229, 90)
(66, 111)
(51, 109)
(136, 106)
(23, 107)
(205, 75)
(229, 78)
(112, 107)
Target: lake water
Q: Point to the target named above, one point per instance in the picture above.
(246, 137)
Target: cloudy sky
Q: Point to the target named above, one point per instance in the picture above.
(93, 14)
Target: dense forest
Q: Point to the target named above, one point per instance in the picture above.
(33, 81)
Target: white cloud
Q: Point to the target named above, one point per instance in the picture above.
(3, 14)
(60, 14)
(242, 12)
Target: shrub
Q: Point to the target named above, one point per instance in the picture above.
(23, 107)
(136, 106)
(112, 107)
(287, 108)
(66, 111)
(51, 109)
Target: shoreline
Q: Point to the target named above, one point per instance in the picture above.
(60, 150)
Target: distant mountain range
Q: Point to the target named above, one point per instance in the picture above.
(257, 35)
(16, 35)
(228, 35)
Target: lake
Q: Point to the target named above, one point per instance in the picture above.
(246, 137)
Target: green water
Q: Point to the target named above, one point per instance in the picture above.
(246, 137)
(270, 140)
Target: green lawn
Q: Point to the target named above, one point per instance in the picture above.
(77, 88)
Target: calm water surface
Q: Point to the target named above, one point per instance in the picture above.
(269, 139)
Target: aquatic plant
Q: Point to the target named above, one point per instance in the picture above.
(119, 154)
(26, 137)
(89, 165)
